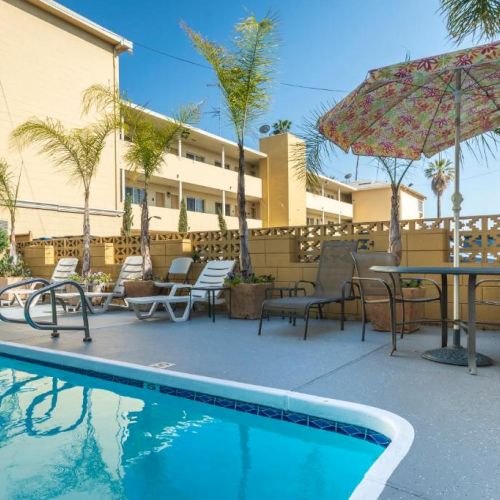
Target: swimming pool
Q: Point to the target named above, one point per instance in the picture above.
(66, 434)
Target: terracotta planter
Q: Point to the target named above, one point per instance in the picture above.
(75, 301)
(380, 316)
(247, 298)
(140, 288)
(9, 281)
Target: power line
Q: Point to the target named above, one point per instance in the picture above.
(200, 65)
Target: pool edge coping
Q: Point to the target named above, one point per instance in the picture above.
(398, 429)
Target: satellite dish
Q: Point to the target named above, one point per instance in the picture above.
(264, 129)
(347, 176)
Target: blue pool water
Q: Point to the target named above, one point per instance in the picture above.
(64, 435)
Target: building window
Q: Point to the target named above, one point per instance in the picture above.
(195, 205)
(420, 208)
(218, 207)
(137, 194)
(346, 197)
(218, 163)
(195, 157)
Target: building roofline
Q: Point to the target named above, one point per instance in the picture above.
(385, 185)
(121, 44)
(205, 133)
(342, 184)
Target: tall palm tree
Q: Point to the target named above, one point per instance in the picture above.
(441, 172)
(148, 141)
(76, 151)
(9, 189)
(477, 18)
(244, 73)
(281, 127)
(396, 170)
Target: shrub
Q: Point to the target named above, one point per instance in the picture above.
(10, 267)
(183, 218)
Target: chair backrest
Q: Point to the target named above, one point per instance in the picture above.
(131, 270)
(64, 268)
(335, 267)
(179, 268)
(213, 274)
(364, 261)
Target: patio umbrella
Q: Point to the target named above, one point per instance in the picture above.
(422, 107)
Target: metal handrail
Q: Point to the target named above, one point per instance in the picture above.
(45, 325)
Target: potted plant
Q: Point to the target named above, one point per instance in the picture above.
(12, 270)
(248, 292)
(379, 314)
(140, 288)
(92, 282)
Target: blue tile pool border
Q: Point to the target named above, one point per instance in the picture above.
(320, 423)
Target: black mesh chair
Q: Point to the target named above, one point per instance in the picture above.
(380, 288)
(334, 269)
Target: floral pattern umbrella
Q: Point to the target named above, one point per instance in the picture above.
(423, 107)
(408, 109)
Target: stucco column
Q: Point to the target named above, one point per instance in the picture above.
(223, 202)
(223, 157)
(179, 148)
(180, 193)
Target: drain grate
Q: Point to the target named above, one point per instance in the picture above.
(162, 364)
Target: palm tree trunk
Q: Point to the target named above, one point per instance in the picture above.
(86, 236)
(439, 205)
(245, 259)
(395, 245)
(13, 249)
(147, 265)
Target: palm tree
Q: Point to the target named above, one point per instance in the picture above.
(76, 151)
(441, 172)
(281, 127)
(396, 170)
(244, 73)
(148, 141)
(9, 189)
(477, 18)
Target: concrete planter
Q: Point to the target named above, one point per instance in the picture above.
(380, 316)
(247, 298)
(5, 281)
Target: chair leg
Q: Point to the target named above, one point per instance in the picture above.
(393, 325)
(260, 320)
(307, 322)
(363, 321)
(342, 314)
(404, 320)
(320, 309)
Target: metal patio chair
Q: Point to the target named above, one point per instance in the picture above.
(335, 267)
(381, 288)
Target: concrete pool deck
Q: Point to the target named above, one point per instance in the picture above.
(456, 416)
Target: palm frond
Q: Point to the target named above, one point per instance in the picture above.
(9, 187)
(479, 19)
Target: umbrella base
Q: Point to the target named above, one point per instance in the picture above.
(455, 356)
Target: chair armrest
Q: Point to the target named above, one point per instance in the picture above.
(297, 283)
(429, 280)
(488, 280)
(372, 280)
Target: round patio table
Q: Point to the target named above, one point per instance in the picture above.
(456, 354)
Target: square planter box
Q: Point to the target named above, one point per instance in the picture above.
(246, 300)
(380, 316)
(140, 288)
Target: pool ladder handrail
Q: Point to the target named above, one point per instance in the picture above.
(50, 289)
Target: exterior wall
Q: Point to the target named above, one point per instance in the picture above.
(410, 208)
(332, 208)
(285, 197)
(46, 64)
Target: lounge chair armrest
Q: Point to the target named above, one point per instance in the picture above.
(297, 283)
(351, 284)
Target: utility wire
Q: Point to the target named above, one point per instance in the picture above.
(200, 65)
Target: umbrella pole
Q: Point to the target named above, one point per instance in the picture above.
(457, 205)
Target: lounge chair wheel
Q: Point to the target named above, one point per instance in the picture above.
(87, 339)
(54, 335)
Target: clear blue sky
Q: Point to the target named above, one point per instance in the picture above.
(324, 43)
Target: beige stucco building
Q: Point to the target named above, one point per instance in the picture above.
(49, 55)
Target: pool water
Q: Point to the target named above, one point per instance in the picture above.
(64, 435)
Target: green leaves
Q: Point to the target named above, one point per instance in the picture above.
(244, 72)
(479, 19)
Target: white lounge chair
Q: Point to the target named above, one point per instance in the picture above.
(131, 270)
(64, 268)
(212, 276)
(179, 268)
